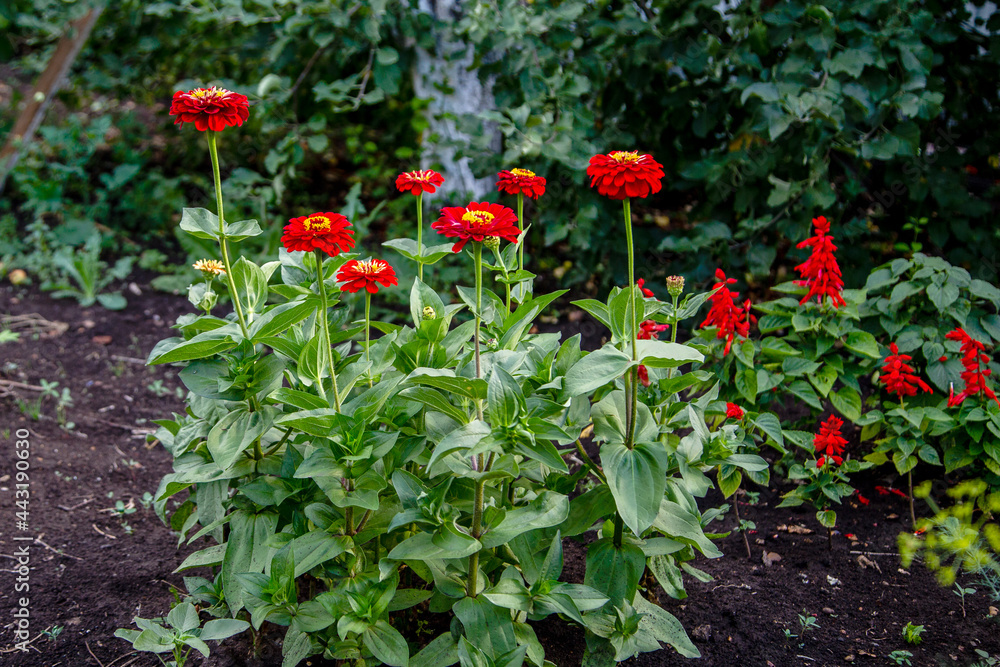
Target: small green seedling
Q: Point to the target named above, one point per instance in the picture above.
(911, 633)
(901, 657)
(179, 633)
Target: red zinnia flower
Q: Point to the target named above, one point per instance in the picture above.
(624, 174)
(419, 181)
(725, 314)
(646, 292)
(898, 376)
(210, 108)
(476, 222)
(974, 361)
(829, 442)
(821, 273)
(323, 231)
(733, 411)
(521, 182)
(366, 274)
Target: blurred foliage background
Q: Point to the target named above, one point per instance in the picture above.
(881, 115)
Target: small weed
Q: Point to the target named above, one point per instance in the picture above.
(52, 632)
(901, 657)
(911, 633)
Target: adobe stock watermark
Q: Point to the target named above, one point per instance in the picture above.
(22, 552)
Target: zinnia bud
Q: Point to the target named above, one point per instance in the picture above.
(492, 243)
(675, 285)
(429, 313)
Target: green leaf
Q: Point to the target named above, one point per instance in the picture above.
(664, 626)
(208, 557)
(746, 384)
(461, 439)
(200, 223)
(847, 401)
(615, 572)
(769, 423)
(278, 319)
(863, 343)
(637, 479)
(660, 354)
(251, 286)
(203, 345)
(222, 628)
(447, 542)
(668, 575)
(315, 548)
(386, 644)
(504, 398)
(827, 518)
(441, 652)
(442, 378)
(594, 371)
(546, 510)
(942, 296)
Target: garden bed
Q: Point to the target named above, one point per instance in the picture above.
(89, 576)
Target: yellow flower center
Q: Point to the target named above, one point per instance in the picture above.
(478, 218)
(316, 223)
(625, 157)
(371, 266)
(523, 173)
(207, 93)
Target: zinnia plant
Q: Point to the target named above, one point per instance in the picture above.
(522, 183)
(417, 183)
(368, 275)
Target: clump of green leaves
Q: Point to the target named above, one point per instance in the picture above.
(179, 633)
(83, 276)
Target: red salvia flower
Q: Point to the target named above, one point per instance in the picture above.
(829, 442)
(943, 358)
(899, 493)
(862, 499)
(821, 273)
(419, 181)
(646, 292)
(733, 411)
(881, 490)
(974, 361)
(624, 174)
(898, 376)
(366, 274)
(210, 108)
(521, 182)
(648, 330)
(476, 222)
(725, 314)
(320, 231)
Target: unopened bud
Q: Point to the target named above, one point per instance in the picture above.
(492, 242)
(17, 277)
(429, 313)
(675, 285)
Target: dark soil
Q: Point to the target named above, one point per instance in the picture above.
(89, 575)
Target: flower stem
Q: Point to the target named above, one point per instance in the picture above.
(631, 387)
(420, 236)
(324, 320)
(213, 151)
(477, 249)
(520, 221)
(477, 507)
(368, 328)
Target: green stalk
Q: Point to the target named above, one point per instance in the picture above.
(477, 507)
(368, 327)
(420, 236)
(213, 151)
(520, 221)
(477, 249)
(324, 306)
(630, 386)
